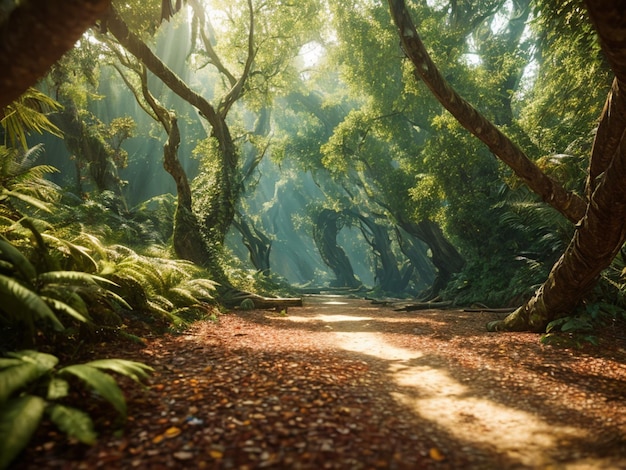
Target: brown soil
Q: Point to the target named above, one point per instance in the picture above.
(343, 384)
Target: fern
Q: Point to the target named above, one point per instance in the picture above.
(21, 411)
(27, 114)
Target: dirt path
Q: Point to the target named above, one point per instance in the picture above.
(340, 383)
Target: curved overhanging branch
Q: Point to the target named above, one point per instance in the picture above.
(133, 44)
(35, 35)
(568, 204)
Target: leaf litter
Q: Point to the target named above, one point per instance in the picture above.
(356, 386)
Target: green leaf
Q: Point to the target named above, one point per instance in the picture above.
(58, 388)
(67, 277)
(36, 203)
(63, 307)
(118, 299)
(75, 423)
(5, 362)
(101, 382)
(18, 420)
(24, 303)
(31, 366)
(15, 256)
(132, 369)
(44, 361)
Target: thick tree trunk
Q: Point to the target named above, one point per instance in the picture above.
(36, 34)
(597, 240)
(388, 277)
(415, 250)
(445, 256)
(568, 204)
(602, 232)
(325, 236)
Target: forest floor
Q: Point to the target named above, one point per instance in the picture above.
(344, 384)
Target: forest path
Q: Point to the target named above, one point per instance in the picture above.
(342, 383)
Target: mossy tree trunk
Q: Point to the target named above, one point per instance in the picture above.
(219, 209)
(187, 238)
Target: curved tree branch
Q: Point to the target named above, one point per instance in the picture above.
(568, 204)
(36, 34)
(237, 90)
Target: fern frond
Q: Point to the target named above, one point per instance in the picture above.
(62, 307)
(75, 423)
(135, 370)
(19, 418)
(100, 382)
(27, 114)
(13, 255)
(23, 304)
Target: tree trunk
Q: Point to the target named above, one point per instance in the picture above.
(325, 236)
(258, 245)
(415, 250)
(187, 238)
(388, 277)
(35, 35)
(568, 204)
(602, 232)
(220, 208)
(445, 256)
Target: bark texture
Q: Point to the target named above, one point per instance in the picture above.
(36, 34)
(602, 232)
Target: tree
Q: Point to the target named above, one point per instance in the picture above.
(264, 58)
(601, 222)
(36, 33)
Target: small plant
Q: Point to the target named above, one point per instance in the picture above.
(31, 387)
(246, 304)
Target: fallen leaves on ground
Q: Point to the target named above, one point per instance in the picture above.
(257, 390)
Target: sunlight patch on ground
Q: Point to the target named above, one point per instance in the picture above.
(436, 396)
(326, 318)
(334, 302)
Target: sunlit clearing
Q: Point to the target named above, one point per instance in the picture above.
(433, 394)
(328, 318)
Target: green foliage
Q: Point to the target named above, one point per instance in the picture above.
(22, 183)
(246, 304)
(28, 114)
(31, 385)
